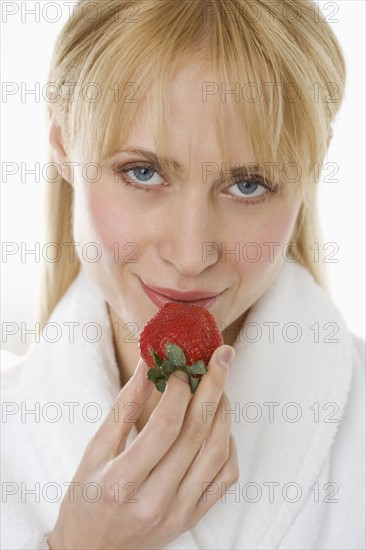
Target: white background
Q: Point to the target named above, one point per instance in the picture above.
(27, 46)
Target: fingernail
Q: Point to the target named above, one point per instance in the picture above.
(226, 356)
(140, 379)
(139, 367)
(181, 374)
(140, 370)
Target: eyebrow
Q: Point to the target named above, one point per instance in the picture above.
(239, 170)
(149, 155)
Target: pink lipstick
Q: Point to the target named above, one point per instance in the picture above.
(160, 296)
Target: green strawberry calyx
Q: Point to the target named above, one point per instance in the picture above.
(176, 360)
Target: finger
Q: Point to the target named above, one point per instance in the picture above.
(159, 433)
(114, 431)
(210, 494)
(197, 424)
(210, 458)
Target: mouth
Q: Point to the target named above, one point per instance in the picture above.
(161, 296)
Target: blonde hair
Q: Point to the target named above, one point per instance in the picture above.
(284, 57)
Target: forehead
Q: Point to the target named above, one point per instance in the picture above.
(192, 103)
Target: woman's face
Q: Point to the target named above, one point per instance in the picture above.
(185, 231)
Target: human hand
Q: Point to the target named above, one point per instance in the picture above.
(151, 492)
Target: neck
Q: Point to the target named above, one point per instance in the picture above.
(231, 333)
(127, 356)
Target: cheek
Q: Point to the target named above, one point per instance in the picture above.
(265, 242)
(100, 218)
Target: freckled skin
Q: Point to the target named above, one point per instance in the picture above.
(168, 227)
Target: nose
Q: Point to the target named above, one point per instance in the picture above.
(188, 234)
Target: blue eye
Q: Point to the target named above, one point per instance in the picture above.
(146, 175)
(249, 188)
(138, 173)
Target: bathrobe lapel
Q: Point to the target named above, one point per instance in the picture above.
(288, 391)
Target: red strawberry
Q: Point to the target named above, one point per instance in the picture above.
(179, 336)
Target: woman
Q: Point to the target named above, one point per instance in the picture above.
(185, 135)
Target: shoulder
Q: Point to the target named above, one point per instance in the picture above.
(12, 367)
(7, 359)
(351, 431)
(357, 391)
(359, 345)
(345, 524)
(356, 397)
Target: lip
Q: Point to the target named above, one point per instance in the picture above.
(160, 296)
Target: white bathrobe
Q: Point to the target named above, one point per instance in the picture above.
(297, 391)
